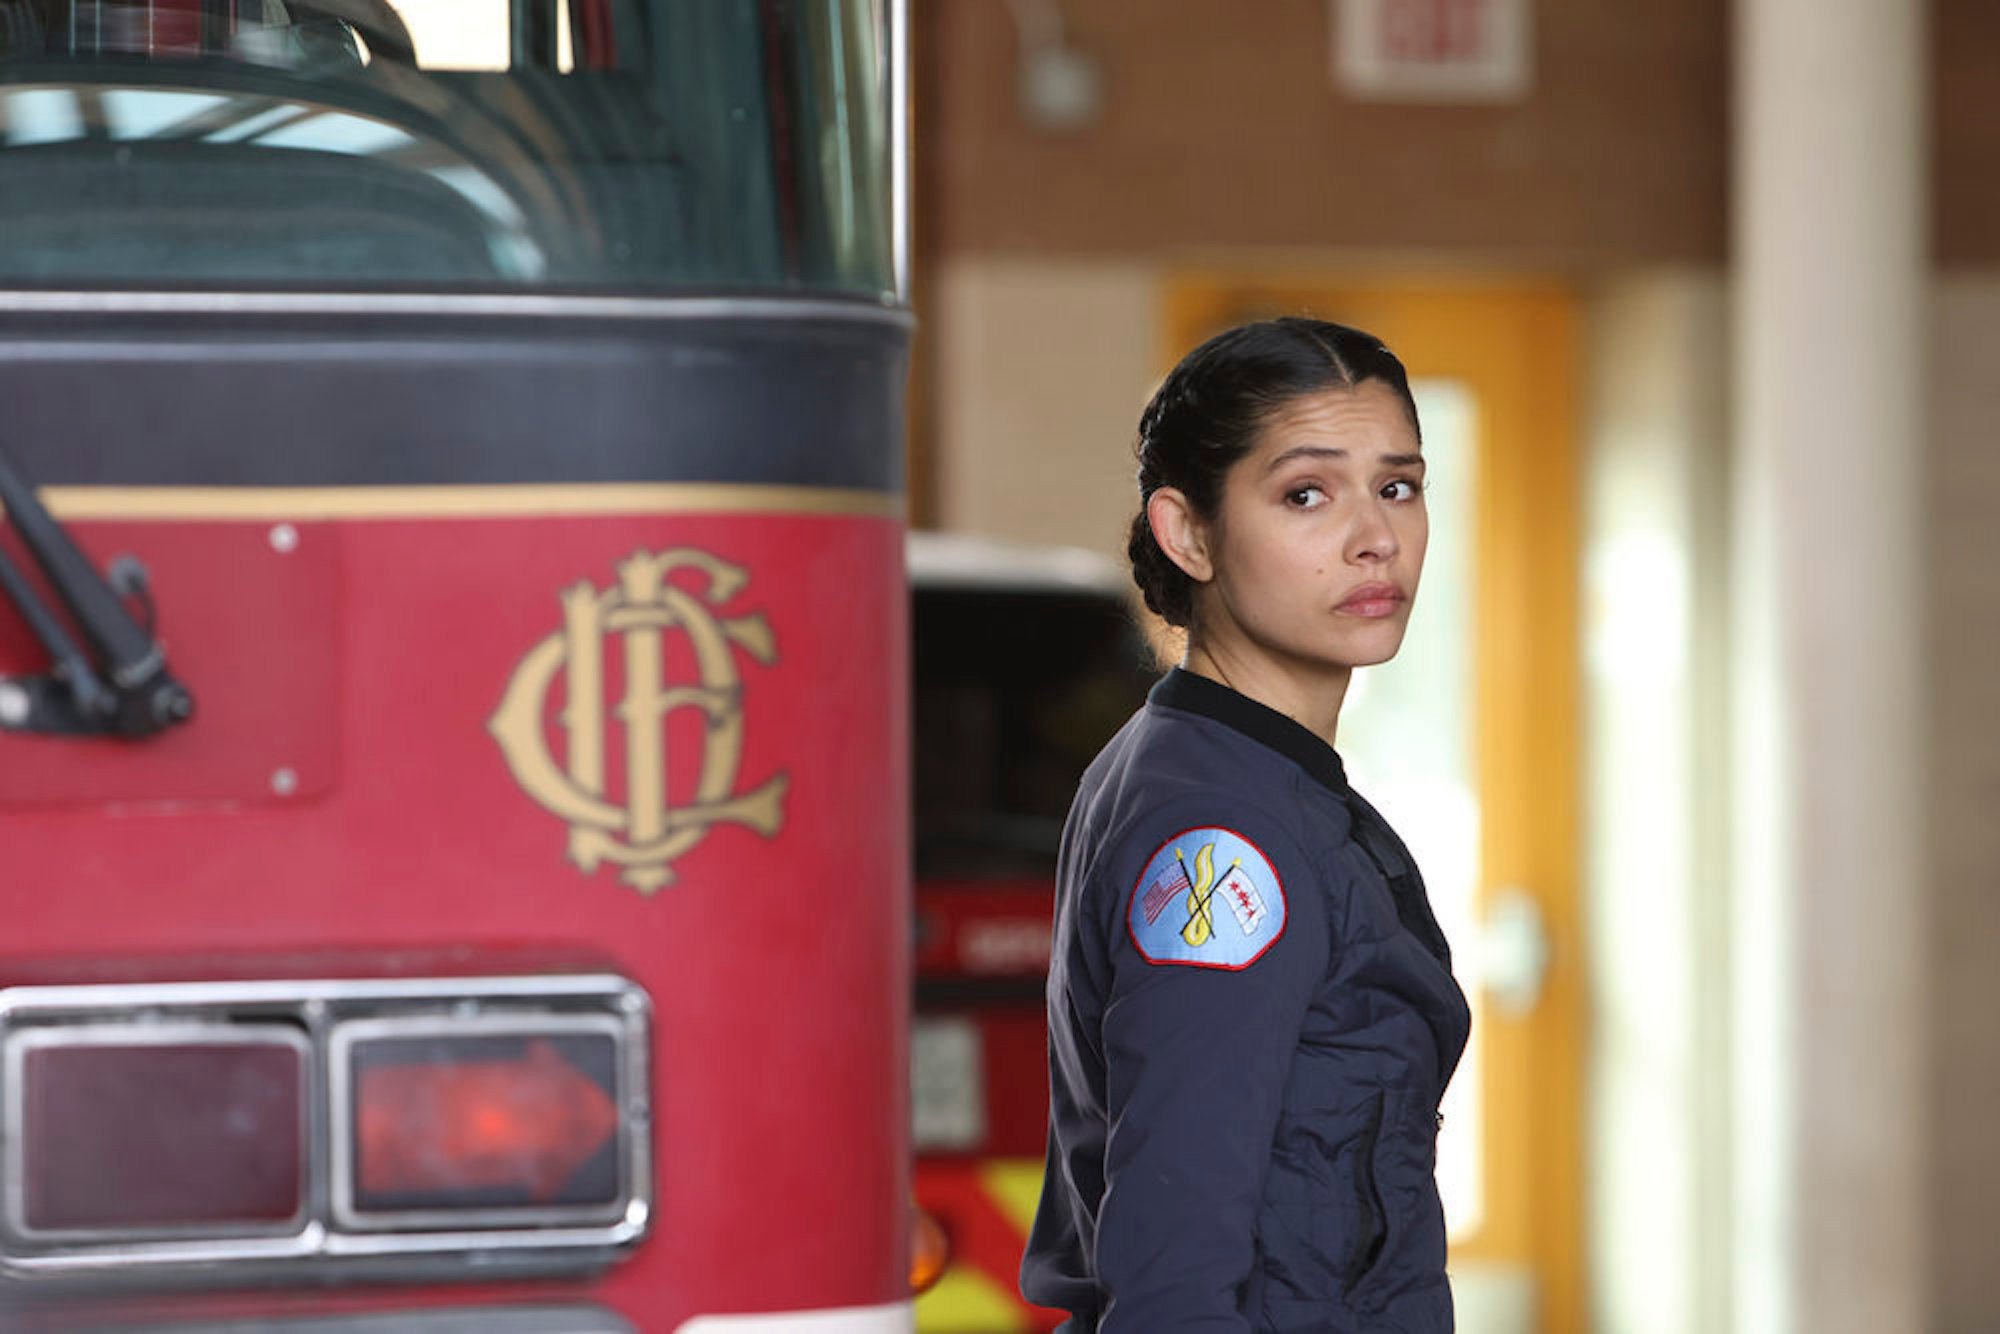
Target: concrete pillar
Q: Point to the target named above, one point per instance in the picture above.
(1656, 658)
(1830, 880)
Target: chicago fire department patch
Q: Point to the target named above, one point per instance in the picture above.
(1208, 897)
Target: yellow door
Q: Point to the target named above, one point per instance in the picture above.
(1468, 742)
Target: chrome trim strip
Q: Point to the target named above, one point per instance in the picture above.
(14, 1050)
(900, 167)
(318, 1243)
(629, 1097)
(625, 1232)
(55, 1001)
(892, 1318)
(136, 1256)
(509, 304)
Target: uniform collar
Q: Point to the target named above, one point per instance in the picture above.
(1190, 693)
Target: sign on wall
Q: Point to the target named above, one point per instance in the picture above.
(1432, 50)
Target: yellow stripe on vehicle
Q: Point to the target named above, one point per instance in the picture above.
(1015, 1184)
(966, 1301)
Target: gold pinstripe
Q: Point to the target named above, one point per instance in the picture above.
(513, 500)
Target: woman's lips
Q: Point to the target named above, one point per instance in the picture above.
(1373, 600)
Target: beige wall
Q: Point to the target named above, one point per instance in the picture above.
(1043, 367)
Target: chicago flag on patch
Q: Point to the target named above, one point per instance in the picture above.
(1239, 891)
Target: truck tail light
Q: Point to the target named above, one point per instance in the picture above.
(374, 1129)
(188, 1129)
(930, 1251)
(513, 1118)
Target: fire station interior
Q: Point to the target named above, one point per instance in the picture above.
(1693, 732)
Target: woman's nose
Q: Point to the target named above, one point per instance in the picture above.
(1374, 536)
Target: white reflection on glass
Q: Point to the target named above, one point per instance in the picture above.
(251, 126)
(142, 113)
(333, 132)
(42, 116)
(514, 252)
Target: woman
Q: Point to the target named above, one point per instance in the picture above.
(1252, 1015)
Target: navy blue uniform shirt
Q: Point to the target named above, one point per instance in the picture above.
(1252, 1019)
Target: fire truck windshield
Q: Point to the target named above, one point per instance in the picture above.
(1015, 690)
(479, 144)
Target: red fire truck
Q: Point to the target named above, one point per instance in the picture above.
(453, 664)
(1025, 661)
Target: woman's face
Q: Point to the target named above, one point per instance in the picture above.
(1319, 536)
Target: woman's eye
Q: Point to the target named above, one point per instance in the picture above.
(1402, 489)
(1304, 497)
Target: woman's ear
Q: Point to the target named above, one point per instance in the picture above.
(1180, 532)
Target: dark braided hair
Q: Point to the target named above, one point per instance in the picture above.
(1209, 410)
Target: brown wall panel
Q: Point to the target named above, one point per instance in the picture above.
(1221, 127)
(1965, 111)
(1963, 792)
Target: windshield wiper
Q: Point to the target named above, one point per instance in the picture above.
(126, 691)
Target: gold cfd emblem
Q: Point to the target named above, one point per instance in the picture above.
(643, 834)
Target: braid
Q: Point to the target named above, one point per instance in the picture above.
(1168, 592)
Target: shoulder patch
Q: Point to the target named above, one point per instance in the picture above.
(1209, 898)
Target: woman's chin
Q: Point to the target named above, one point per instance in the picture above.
(1369, 650)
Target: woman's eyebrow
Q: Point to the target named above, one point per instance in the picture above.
(1304, 452)
(1329, 452)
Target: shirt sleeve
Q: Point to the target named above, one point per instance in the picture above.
(1218, 945)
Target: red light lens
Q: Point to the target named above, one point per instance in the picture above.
(182, 1135)
(445, 1122)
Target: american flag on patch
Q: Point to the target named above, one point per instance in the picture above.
(1162, 893)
